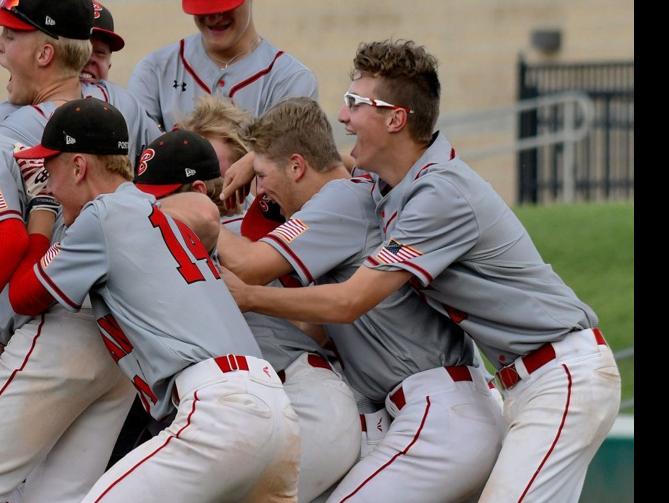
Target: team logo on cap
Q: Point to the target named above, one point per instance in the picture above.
(97, 8)
(190, 172)
(146, 156)
(49, 21)
(69, 140)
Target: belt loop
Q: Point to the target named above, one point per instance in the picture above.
(398, 398)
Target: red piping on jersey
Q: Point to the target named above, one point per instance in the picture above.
(151, 455)
(420, 171)
(225, 222)
(254, 77)
(15, 213)
(55, 288)
(189, 68)
(25, 360)
(452, 154)
(557, 437)
(292, 254)
(40, 111)
(418, 269)
(104, 92)
(385, 227)
(403, 452)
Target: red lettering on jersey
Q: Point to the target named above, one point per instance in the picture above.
(197, 248)
(115, 340)
(188, 269)
(145, 392)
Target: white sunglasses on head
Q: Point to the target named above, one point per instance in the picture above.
(351, 100)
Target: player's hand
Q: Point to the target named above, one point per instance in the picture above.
(237, 181)
(35, 177)
(33, 173)
(237, 287)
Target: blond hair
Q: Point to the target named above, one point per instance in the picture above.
(117, 164)
(295, 126)
(71, 55)
(218, 118)
(214, 188)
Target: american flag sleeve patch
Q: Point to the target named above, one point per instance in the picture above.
(3, 203)
(395, 252)
(50, 254)
(290, 230)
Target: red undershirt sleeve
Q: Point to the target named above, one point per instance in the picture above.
(14, 239)
(26, 293)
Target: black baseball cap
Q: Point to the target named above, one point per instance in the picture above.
(64, 18)
(86, 126)
(174, 159)
(103, 27)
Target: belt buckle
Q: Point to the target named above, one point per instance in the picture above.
(509, 370)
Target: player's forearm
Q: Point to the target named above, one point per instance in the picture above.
(14, 239)
(239, 255)
(26, 294)
(319, 304)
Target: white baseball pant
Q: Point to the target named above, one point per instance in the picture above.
(560, 403)
(63, 401)
(329, 423)
(442, 443)
(235, 438)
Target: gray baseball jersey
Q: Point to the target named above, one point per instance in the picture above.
(27, 123)
(157, 296)
(474, 259)
(7, 108)
(325, 242)
(168, 81)
(279, 340)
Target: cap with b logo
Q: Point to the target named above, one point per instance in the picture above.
(103, 27)
(86, 126)
(174, 159)
(64, 18)
(203, 7)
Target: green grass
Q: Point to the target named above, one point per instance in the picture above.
(591, 247)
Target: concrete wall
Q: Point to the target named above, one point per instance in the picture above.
(477, 42)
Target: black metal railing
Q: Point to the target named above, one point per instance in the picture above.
(604, 160)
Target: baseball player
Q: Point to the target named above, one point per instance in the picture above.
(447, 231)
(185, 161)
(166, 319)
(52, 410)
(104, 41)
(227, 57)
(402, 355)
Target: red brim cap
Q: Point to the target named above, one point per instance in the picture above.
(116, 43)
(203, 7)
(37, 152)
(159, 190)
(9, 20)
(255, 224)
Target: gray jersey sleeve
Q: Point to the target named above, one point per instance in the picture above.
(430, 235)
(70, 268)
(332, 215)
(144, 84)
(12, 196)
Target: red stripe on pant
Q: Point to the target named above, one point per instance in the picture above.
(99, 498)
(401, 453)
(25, 360)
(557, 436)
